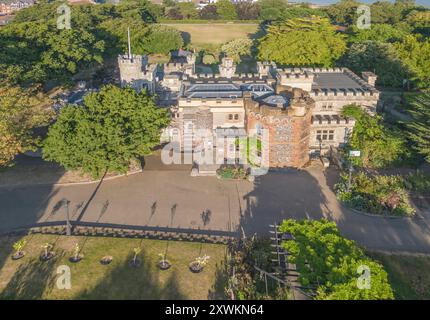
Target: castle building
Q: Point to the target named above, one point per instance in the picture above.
(299, 107)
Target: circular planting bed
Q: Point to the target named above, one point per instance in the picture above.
(75, 259)
(164, 265)
(106, 260)
(47, 256)
(18, 255)
(196, 267)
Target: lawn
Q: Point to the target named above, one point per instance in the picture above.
(215, 33)
(29, 278)
(409, 275)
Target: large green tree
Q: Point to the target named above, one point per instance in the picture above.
(415, 54)
(330, 263)
(226, 10)
(272, 9)
(418, 127)
(21, 110)
(302, 42)
(343, 12)
(237, 48)
(379, 33)
(381, 58)
(380, 146)
(113, 127)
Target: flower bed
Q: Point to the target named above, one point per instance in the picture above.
(232, 172)
(379, 194)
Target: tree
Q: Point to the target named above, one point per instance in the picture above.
(302, 42)
(331, 263)
(379, 33)
(188, 10)
(380, 146)
(162, 39)
(247, 10)
(272, 9)
(21, 110)
(381, 58)
(209, 12)
(209, 59)
(415, 55)
(302, 11)
(237, 48)
(418, 128)
(386, 12)
(113, 127)
(344, 12)
(226, 10)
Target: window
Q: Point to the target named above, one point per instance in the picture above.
(236, 117)
(230, 117)
(325, 135)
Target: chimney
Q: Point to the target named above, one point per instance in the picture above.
(369, 77)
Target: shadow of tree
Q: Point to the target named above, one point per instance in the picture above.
(31, 281)
(281, 195)
(217, 292)
(134, 283)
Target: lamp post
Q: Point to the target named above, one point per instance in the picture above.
(352, 154)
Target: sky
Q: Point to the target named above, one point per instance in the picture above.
(422, 2)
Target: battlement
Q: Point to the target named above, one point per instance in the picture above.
(312, 70)
(135, 59)
(345, 92)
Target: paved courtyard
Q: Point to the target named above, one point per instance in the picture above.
(169, 197)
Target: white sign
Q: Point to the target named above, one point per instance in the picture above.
(354, 153)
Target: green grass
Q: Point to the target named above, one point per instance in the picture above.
(30, 278)
(210, 35)
(409, 275)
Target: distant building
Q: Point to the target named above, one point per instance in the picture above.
(4, 20)
(9, 7)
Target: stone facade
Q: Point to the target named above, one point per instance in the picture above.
(288, 125)
(301, 107)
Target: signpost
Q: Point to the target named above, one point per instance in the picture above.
(352, 154)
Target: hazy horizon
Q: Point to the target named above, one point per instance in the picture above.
(419, 2)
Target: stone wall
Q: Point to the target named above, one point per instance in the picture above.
(289, 127)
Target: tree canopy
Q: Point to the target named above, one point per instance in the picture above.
(379, 145)
(237, 48)
(418, 127)
(226, 10)
(330, 263)
(302, 42)
(21, 111)
(112, 127)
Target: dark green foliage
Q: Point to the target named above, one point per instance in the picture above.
(329, 262)
(381, 58)
(247, 283)
(113, 127)
(418, 128)
(380, 146)
(232, 172)
(375, 194)
(302, 42)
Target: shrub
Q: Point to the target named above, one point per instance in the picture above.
(209, 59)
(375, 194)
(417, 181)
(232, 172)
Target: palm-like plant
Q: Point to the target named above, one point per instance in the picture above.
(76, 251)
(136, 251)
(19, 245)
(47, 247)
